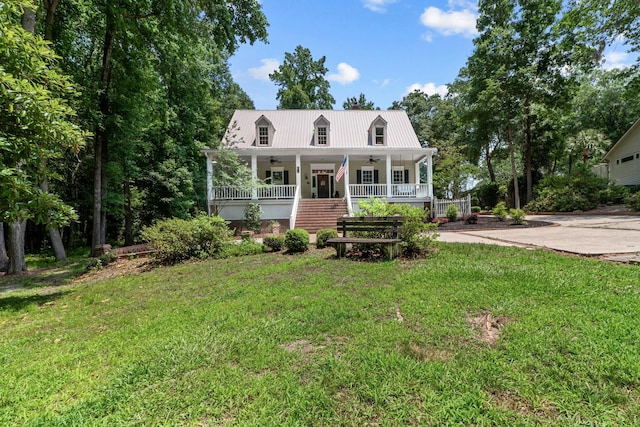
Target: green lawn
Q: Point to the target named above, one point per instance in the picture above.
(310, 340)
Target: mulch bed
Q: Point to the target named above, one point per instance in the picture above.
(486, 222)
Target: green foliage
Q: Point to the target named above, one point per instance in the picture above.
(633, 201)
(613, 194)
(488, 193)
(452, 212)
(500, 211)
(517, 215)
(301, 82)
(242, 248)
(323, 235)
(476, 209)
(176, 240)
(253, 217)
(567, 193)
(296, 240)
(418, 235)
(361, 101)
(274, 242)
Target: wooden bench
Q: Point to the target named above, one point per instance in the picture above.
(388, 228)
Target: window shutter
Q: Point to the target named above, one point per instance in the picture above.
(268, 175)
(286, 177)
(358, 176)
(375, 176)
(406, 176)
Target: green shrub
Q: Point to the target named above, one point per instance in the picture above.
(613, 194)
(633, 201)
(323, 235)
(568, 193)
(452, 212)
(242, 248)
(253, 217)
(500, 211)
(476, 209)
(517, 215)
(274, 242)
(296, 240)
(176, 240)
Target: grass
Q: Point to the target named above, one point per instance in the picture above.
(310, 340)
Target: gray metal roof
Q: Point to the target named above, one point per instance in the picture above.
(348, 129)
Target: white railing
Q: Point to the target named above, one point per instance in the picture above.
(439, 206)
(229, 193)
(366, 190)
(277, 192)
(294, 209)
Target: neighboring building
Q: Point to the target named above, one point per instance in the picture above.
(299, 154)
(622, 163)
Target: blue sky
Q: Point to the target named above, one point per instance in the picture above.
(382, 48)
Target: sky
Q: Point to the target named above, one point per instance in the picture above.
(382, 48)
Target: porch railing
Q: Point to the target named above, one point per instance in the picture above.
(268, 192)
(366, 190)
(439, 206)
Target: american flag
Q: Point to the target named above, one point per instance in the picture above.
(343, 166)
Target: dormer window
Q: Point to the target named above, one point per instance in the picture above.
(264, 132)
(378, 132)
(321, 126)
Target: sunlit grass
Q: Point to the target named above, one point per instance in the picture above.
(274, 339)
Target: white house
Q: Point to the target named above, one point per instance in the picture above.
(622, 163)
(299, 154)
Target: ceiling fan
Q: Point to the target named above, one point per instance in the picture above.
(372, 160)
(274, 160)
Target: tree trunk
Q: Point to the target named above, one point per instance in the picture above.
(17, 262)
(514, 170)
(50, 6)
(128, 214)
(28, 20)
(528, 153)
(492, 173)
(54, 233)
(100, 144)
(4, 258)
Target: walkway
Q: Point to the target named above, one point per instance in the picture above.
(613, 237)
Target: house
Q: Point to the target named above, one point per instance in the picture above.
(317, 164)
(621, 164)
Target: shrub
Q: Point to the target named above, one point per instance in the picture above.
(517, 215)
(471, 218)
(296, 240)
(323, 235)
(243, 248)
(633, 201)
(176, 240)
(440, 220)
(613, 194)
(500, 211)
(275, 242)
(452, 212)
(253, 217)
(568, 193)
(476, 209)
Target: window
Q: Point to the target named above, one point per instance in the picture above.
(322, 135)
(398, 175)
(379, 135)
(367, 175)
(263, 135)
(627, 159)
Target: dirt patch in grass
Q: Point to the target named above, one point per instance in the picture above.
(522, 405)
(487, 327)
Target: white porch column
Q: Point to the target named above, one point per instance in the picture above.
(389, 176)
(254, 176)
(417, 174)
(209, 182)
(346, 176)
(298, 173)
(430, 176)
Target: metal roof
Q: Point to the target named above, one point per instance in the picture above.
(348, 129)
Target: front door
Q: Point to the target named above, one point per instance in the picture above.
(323, 187)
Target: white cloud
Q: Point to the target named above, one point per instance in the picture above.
(346, 74)
(428, 88)
(451, 22)
(269, 65)
(616, 60)
(377, 5)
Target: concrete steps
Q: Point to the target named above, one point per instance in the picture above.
(316, 214)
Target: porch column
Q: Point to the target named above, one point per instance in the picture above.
(254, 176)
(298, 174)
(430, 176)
(389, 176)
(209, 182)
(417, 172)
(346, 176)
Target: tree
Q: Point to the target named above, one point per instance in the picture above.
(302, 83)
(35, 127)
(586, 144)
(359, 102)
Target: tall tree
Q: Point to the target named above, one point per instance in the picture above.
(35, 127)
(302, 83)
(360, 102)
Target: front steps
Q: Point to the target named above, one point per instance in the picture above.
(316, 214)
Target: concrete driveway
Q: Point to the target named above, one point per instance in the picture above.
(590, 235)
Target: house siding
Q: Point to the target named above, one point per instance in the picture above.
(624, 158)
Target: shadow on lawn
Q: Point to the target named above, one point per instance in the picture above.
(17, 303)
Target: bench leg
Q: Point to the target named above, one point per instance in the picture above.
(341, 249)
(391, 250)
